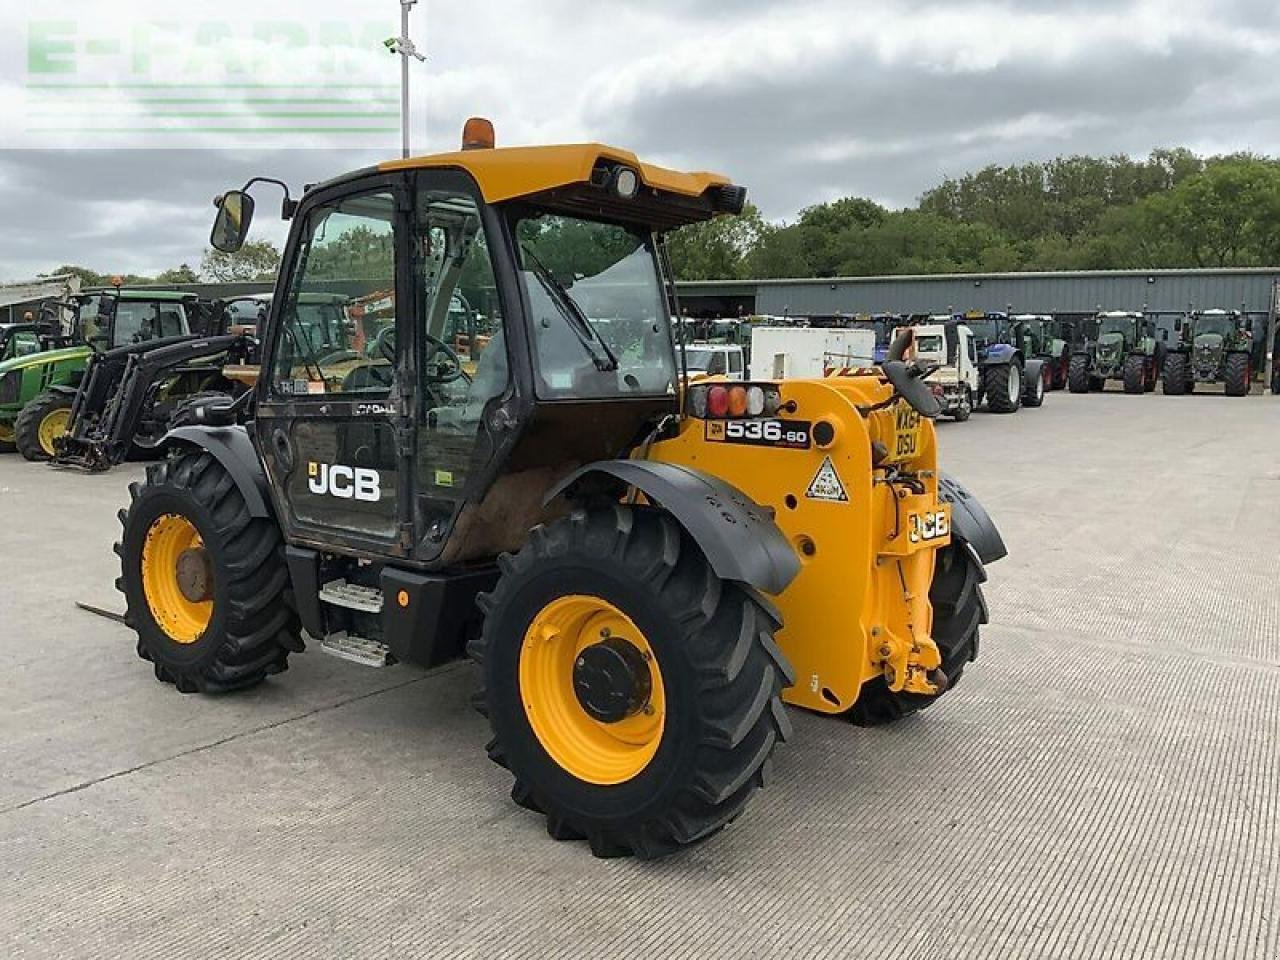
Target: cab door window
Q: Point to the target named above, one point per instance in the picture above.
(338, 318)
(462, 349)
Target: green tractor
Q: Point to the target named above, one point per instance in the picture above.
(1038, 337)
(1215, 347)
(37, 389)
(1123, 348)
(32, 354)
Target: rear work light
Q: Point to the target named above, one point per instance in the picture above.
(721, 400)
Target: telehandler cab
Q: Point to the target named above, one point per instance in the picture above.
(643, 573)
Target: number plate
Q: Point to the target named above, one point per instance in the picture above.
(789, 434)
(906, 433)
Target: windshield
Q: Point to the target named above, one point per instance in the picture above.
(137, 321)
(1216, 323)
(322, 326)
(931, 343)
(982, 329)
(699, 358)
(599, 316)
(1120, 325)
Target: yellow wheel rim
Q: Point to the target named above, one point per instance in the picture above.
(183, 620)
(591, 750)
(6, 433)
(53, 425)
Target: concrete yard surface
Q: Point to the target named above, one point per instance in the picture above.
(1103, 783)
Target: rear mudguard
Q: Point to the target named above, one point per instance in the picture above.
(970, 521)
(232, 448)
(737, 535)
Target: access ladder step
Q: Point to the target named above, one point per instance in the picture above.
(353, 596)
(348, 646)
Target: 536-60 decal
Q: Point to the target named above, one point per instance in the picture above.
(791, 434)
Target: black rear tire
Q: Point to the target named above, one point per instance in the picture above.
(712, 641)
(26, 429)
(253, 627)
(1175, 374)
(958, 611)
(1135, 372)
(965, 409)
(1236, 375)
(1002, 395)
(1078, 374)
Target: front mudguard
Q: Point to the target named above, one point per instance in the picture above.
(737, 535)
(970, 521)
(231, 447)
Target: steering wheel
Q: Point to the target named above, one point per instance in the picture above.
(385, 344)
(337, 356)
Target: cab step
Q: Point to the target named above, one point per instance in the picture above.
(353, 596)
(357, 649)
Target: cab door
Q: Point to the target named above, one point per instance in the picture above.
(331, 403)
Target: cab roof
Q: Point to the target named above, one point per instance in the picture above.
(146, 296)
(507, 173)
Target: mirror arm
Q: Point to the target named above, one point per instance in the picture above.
(288, 207)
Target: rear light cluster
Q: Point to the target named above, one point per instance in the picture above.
(719, 400)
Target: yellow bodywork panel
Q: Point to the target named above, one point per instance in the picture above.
(511, 172)
(867, 540)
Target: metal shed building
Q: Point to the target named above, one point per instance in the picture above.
(1081, 292)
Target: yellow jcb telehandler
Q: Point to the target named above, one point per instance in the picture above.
(644, 573)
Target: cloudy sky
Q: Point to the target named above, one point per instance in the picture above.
(120, 124)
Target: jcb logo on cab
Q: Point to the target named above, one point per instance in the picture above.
(343, 482)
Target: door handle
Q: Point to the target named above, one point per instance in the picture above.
(283, 449)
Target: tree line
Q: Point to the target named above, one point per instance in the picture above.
(257, 260)
(1173, 209)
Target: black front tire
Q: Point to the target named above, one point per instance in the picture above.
(1175, 374)
(722, 672)
(1078, 374)
(958, 611)
(1135, 373)
(26, 429)
(1035, 388)
(1236, 375)
(253, 627)
(1001, 395)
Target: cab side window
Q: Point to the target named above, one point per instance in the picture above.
(339, 313)
(24, 344)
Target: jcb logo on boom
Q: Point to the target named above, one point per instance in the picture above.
(343, 482)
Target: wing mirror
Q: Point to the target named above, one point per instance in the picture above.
(231, 226)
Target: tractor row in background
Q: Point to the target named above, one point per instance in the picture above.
(1198, 347)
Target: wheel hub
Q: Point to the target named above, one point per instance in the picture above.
(611, 680)
(195, 574)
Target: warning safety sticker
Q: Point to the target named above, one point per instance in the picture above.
(826, 484)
